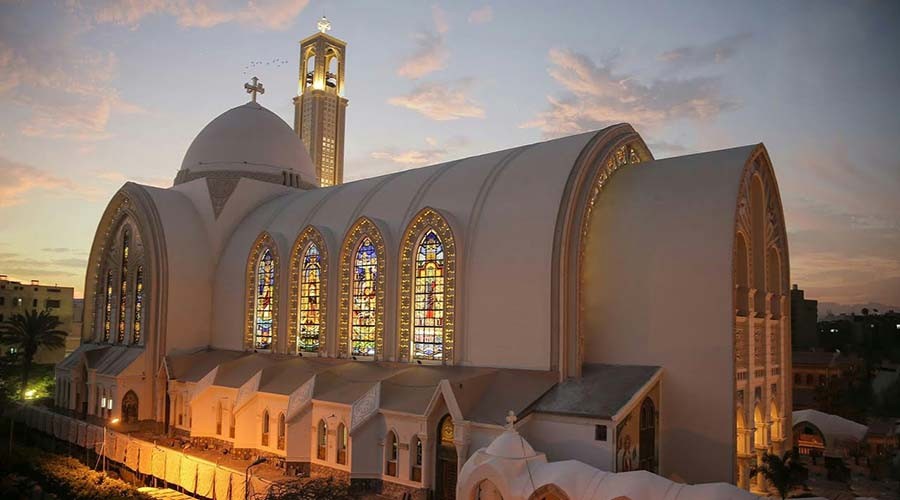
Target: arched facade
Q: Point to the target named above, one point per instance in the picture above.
(309, 293)
(610, 150)
(263, 278)
(427, 289)
(362, 292)
(762, 315)
(121, 292)
(549, 492)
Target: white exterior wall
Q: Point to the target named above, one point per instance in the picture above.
(571, 438)
(658, 291)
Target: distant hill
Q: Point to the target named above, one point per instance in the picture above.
(836, 309)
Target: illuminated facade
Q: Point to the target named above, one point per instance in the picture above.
(320, 106)
(381, 331)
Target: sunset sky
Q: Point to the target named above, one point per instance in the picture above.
(95, 93)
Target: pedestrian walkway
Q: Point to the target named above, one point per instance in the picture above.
(164, 493)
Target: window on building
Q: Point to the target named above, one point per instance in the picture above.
(265, 428)
(428, 303)
(218, 418)
(136, 328)
(821, 379)
(342, 438)
(107, 311)
(2, 301)
(415, 449)
(17, 302)
(51, 303)
(322, 440)
(809, 379)
(231, 424)
(310, 296)
(392, 449)
(33, 302)
(364, 314)
(281, 431)
(599, 433)
(798, 378)
(265, 292)
(1, 318)
(123, 286)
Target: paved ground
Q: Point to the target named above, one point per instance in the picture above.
(164, 493)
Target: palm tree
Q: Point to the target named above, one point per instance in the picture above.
(29, 332)
(783, 472)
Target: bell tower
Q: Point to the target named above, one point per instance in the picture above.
(320, 106)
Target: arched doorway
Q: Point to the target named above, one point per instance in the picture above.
(130, 408)
(445, 464)
(647, 447)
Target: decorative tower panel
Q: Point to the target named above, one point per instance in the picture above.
(320, 106)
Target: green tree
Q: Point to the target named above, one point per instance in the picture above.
(29, 332)
(783, 472)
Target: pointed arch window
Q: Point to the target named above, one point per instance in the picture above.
(361, 330)
(107, 310)
(123, 286)
(427, 289)
(265, 428)
(416, 453)
(219, 418)
(322, 440)
(392, 454)
(342, 439)
(310, 300)
(365, 313)
(281, 431)
(138, 306)
(264, 303)
(428, 303)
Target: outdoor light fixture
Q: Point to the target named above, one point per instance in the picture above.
(103, 403)
(29, 394)
(114, 421)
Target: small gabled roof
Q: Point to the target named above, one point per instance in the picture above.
(601, 392)
(347, 382)
(285, 377)
(237, 372)
(191, 367)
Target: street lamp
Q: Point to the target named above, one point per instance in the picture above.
(103, 448)
(247, 476)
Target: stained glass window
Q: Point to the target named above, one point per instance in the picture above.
(265, 292)
(428, 312)
(123, 288)
(364, 314)
(138, 305)
(107, 313)
(310, 290)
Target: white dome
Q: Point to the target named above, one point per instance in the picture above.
(249, 141)
(512, 445)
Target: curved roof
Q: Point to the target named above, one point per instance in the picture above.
(249, 138)
(834, 428)
(503, 210)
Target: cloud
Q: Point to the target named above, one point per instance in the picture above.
(441, 101)
(596, 96)
(701, 55)
(64, 89)
(431, 52)
(267, 14)
(120, 178)
(482, 15)
(20, 179)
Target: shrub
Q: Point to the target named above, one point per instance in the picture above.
(310, 489)
(67, 477)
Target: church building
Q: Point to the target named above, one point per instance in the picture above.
(630, 313)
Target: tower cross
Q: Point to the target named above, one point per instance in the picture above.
(324, 24)
(254, 87)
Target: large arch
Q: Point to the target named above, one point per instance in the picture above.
(133, 203)
(549, 492)
(263, 242)
(428, 219)
(308, 237)
(609, 150)
(361, 229)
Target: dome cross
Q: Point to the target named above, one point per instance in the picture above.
(254, 87)
(511, 420)
(324, 25)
